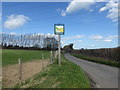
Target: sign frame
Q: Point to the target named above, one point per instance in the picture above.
(59, 25)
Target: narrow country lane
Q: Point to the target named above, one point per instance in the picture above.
(104, 76)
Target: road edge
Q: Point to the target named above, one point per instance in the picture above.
(93, 84)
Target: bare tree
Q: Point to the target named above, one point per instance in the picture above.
(29, 40)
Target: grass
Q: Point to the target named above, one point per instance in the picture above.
(0, 58)
(98, 60)
(12, 56)
(68, 75)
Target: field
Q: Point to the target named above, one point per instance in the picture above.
(10, 74)
(68, 75)
(0, 58)
(12, 56)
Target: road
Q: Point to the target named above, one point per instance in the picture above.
(104, 76)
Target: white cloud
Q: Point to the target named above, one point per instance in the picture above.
(76, 5)
(110, 38)
(107, 40)
(78, 36)
(92, 45)
(73, 37)
(63, 13)
(112, 7)
(50, 35)
(13, 33)
(77, 41)
(13, 21)
(58, 10)
(96, 37)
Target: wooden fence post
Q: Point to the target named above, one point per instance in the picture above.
(20, 71)
(56, 54)
(42, 61)
(51, 57)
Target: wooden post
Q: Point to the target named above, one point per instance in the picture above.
(51, 57)
(55, 55)
(59, 50)
(20, 71)
(42, 61)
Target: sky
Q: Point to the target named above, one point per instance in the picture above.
(87, 24)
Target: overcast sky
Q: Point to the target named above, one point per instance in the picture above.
(87, 24)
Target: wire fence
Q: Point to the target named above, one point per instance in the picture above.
(30, 41)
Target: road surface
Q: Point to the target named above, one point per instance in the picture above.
(104, 76)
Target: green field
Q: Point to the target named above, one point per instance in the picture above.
(0, 58)
(68, 75)
(12, 56)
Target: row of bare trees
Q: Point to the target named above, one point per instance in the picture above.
(105, 53)
(38, 40)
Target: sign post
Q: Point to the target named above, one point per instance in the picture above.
(59, 30)
(59, 49)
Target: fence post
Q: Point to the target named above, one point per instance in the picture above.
(42, 61)
(56, 54)
(20, 71)
(51, 57)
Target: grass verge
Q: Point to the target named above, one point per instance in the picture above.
(68, 75)
(98, 60)
(10, 56)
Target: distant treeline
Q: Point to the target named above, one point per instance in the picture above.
(27, 48)
(29, 41)
(104, 53)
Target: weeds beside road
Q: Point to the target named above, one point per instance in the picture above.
(97, 60)
(68, 75)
